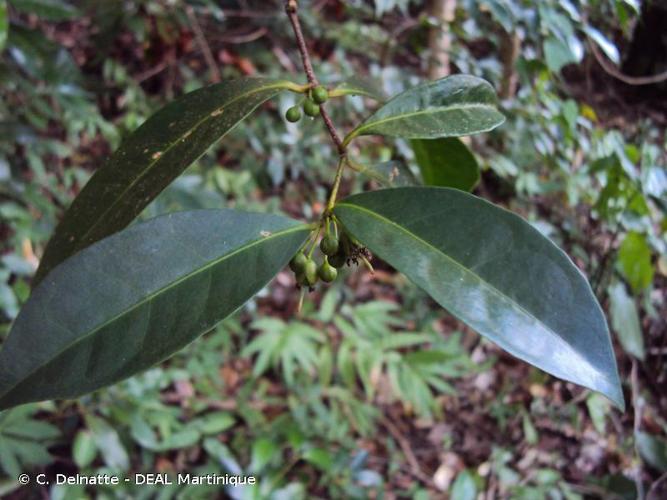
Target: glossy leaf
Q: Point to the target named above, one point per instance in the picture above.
(134, 298)
(150, 159)
(625, 320)
(388, 174)
(450, 107)
(495, 272)
(446, 162)
(357, 86)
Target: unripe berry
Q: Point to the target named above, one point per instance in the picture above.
(310, 108)
(329, 245)
(327, 273)
(310, 271)
(320, 94)
(298, 262)
(293, 114)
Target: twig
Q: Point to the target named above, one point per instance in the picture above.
(203, 45)
(245, 38)
(653, 492)
(151, 72)
(630, 80)
(291, 7)
(407, 450)
(637, 405)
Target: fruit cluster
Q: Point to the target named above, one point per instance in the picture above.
(311, 105)
(337, 251)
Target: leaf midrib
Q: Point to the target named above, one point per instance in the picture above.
(432, 110)
(148, 298)
(149, 167)
(484, 283)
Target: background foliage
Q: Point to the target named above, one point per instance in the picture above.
(374, 391)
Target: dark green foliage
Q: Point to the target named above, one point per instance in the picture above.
(473, 259)
(150, 159)
(174, 278)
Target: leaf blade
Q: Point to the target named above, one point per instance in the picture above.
(471, 256)
(357, 87)
(150, 159)
(446, 162)
(135, 298)
(391, 173)
(450, 107)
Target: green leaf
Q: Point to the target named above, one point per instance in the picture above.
(447, 163)
(604, 43)
(557, 54)
(4, 24)
(598, 409)
(84, 449)
(652, 449)
(263, 451)
(625, 320)
(150, 159)
(134, 298)
(108, 442)
(320, 458)
(357, 86)
(453, 106)
(464, 487)
(51, 10)
(634, 259)
(215, 423)
(388, 174)
(495, 272)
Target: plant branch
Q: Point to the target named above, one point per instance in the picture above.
(291, 7)
(203, 45)
(630, 80)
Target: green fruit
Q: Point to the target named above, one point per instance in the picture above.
(338, 260)
(320, 95)
(293, 114)
(301, 279)
(298, 262)
(310, 271)
(329, 245)
(327, 273)
(310, 108)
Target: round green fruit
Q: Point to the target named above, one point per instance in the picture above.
(320, 94)
(310, 108)
(298, 262)
(310, 271)
(327, 273)
(293, 114)
(329, 245)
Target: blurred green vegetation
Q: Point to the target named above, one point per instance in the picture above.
(373, 392)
